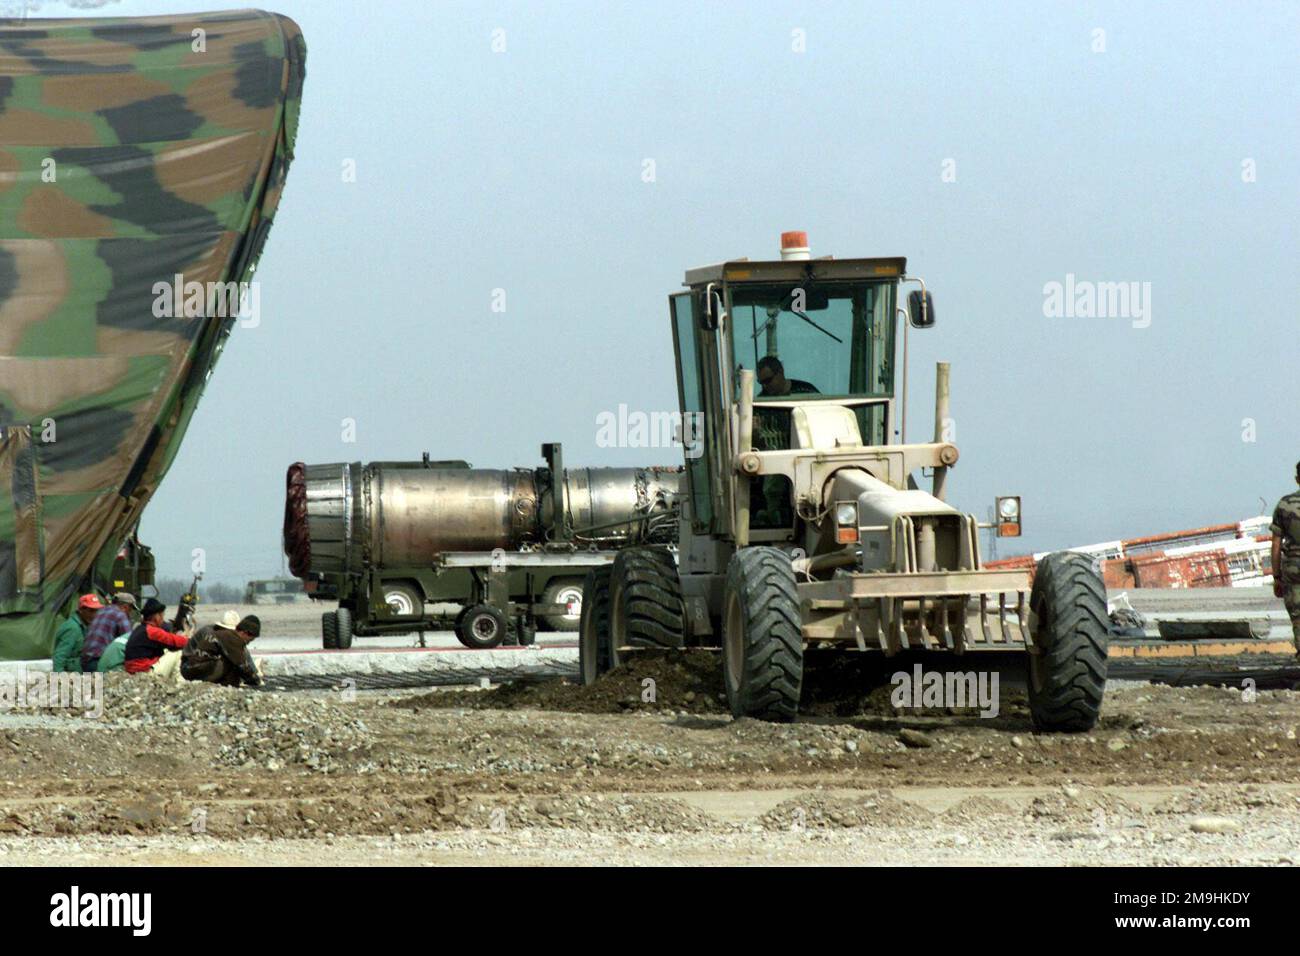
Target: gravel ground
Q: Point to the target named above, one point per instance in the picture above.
(559, 774)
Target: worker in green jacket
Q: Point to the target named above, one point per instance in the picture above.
(72, 634)
(114, 656)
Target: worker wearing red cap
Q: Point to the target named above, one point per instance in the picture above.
(72, 634)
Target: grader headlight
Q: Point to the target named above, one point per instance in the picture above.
(1008, 508)
(846, 522)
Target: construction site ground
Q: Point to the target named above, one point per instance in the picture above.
(552, 773)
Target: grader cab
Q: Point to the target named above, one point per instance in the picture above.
(803, 523)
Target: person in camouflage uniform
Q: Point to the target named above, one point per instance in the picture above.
(1286, 556)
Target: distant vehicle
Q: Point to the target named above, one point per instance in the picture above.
(133, 570)
(276, 591)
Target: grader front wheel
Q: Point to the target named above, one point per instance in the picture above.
(762, 640)
(1067, 669)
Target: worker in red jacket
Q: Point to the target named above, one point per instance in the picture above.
(150, 640)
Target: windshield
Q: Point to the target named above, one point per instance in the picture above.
(831, 340)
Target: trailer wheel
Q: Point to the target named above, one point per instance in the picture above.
(593, 629)
(344, 619)
(645, 601)
(562, 591)
(329, 631)
(481, 627)
(403, 600)
(762, 636)
(1067, 669)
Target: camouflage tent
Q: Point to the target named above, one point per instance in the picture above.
(137, 157)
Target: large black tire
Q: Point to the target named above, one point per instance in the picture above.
(762, 637)
(1067, 670)
(593, 629)
(481, 627)
(329, 631)
(344, 617)
(645, 601)
(561, 589)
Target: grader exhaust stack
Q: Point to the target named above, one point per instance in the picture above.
(941, 419)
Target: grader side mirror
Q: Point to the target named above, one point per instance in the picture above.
(920, 309)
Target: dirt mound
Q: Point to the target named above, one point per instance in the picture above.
(814, 811)
(1081, 805)
(596, 813)
(234, 813)
(656, 681)
(251, 729)
(977, 808)
(1232, 800)
(690, 681)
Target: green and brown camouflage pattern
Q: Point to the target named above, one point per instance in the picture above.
(169, 151)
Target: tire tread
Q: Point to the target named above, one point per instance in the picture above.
(1069, 598)
(772, 676)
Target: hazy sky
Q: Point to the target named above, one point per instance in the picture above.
(1115, 156)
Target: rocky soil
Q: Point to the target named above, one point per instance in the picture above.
(650, 773)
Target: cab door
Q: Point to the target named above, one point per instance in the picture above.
(696, 426)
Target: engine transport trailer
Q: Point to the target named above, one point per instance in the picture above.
(406, 546)
(802, 523)
(142, 161)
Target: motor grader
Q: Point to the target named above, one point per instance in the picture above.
(803, 524)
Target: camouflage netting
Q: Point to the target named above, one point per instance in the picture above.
(132, 151)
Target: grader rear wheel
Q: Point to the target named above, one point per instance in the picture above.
(646, 607)
(593, 629)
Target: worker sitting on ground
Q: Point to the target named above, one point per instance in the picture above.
(114, 656)
(151, 647)
(218, 653)
(109, 622)
(71, 636)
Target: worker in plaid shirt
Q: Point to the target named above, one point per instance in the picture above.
(109, 623)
